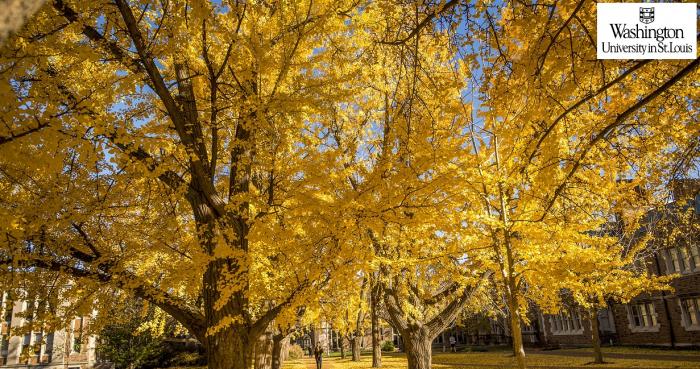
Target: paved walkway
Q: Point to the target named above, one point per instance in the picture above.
(326, 364)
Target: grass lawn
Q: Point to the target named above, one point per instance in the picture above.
(643, 350)
(502, 360)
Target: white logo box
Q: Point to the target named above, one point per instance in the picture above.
(647, 30)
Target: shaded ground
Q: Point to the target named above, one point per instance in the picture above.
(660, 356)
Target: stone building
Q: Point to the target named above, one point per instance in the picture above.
(70, 347)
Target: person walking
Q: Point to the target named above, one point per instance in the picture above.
(318, 354)
(453, 344)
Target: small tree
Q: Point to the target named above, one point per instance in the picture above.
(620, 269)
(136, 338)
(346, 311)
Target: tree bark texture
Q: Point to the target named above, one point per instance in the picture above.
(595, 336)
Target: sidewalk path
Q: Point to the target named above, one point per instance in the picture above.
(326, 364)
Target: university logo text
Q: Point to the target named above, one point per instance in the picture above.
(643, 31)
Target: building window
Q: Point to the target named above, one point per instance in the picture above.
(38, 338)
(682, 259)
(605, 321)
(7, 317)
(673, 264)
(49, 344)
(568, 323)
(77, 334)
(642, 317)
(495, 327)
(695, 256)
(690, 310)
(4, 348)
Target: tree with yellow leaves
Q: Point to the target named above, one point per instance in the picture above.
(401, 146)
(611, 266)
(346, 310)
(158, 148)
(556, 131)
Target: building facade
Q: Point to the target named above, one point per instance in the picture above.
(670, 319)
(666, 319)
(70, 347)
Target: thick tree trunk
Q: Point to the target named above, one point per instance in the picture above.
(376, 334)
(418, 336)
(418, 349)
(516, 334)
(229, 349)
(356, 346)
(263, 351)
(16, 14)
(595, 336)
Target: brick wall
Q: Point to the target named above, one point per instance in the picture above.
(666, 306)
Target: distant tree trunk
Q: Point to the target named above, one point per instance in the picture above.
(443, 341)
(418, 336)
(342, 347)
(516, 332)
(418, 343)
(376, 334)
(356, 338)
(595, 336)
(284, 354)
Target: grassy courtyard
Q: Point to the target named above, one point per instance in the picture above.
(502, 360)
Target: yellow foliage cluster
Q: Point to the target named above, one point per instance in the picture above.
(241, 165)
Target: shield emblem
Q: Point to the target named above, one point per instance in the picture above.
(646, 15)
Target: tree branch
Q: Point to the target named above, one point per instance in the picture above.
(543, 57)
(610, 127)
(450, 312)
(580, 102)
(13, 136)
(189, 316)
(432, 15)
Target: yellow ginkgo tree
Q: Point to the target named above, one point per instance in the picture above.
(158, 148)
(555, 136)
